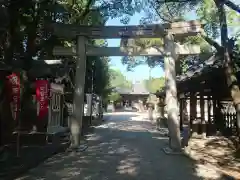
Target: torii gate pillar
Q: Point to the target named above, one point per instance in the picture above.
(78, 100)
(171, 93)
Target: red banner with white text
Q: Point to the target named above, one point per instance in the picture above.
(13, 82)
(42, 94)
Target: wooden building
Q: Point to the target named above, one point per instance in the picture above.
(205, 101)
(135, 95)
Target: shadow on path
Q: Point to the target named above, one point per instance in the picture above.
(121, 148)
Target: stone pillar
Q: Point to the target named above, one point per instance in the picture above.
(78, 100)
(171, 93)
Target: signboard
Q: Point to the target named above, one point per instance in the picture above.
(89, 104)
(42, 94)
(13, 82)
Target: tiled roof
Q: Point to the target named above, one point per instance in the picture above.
(122, 90)
(212, 63)
(138, 88)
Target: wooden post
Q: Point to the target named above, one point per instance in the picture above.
(209, 123)
(185, 123)
(78, 101)
(215, 113)
(181, 108)
(171, 93)
(193, 102)
(201, 126)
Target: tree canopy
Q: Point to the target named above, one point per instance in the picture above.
(154, 84)
(25, 36)
(173, 11)
(117, 79)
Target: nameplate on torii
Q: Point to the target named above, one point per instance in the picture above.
(126, 51)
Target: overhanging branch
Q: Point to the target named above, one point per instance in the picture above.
(87, 9)
(212, 42)
(233, 6)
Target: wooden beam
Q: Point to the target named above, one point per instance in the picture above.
(141, 31)
(127, 51)
(120, 51)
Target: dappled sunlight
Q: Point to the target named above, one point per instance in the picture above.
(207, 172)
(160, 138)
(129, 122)
(93, 137)
(69, 172)
(217, 153)
(121, 148)
(108, 125)
(129, 166)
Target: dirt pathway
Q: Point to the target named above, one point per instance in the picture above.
(125, 147)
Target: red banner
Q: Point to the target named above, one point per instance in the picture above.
(13, 82)
(42, 89)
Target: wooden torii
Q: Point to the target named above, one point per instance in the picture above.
(171, 51)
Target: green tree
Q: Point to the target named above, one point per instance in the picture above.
(114, 96)
(155, 84)
(117, 79)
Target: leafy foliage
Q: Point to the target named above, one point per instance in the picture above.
(118, 80)
(236, 54)
(155, 84)
(25, 36)
(169, 11)
(114, 96)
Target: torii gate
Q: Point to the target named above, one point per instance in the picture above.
(170, 52)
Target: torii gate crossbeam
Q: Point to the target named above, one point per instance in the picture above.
(126, 51)
(114, 32)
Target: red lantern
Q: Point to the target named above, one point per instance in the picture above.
(13, 82)
(42, 94)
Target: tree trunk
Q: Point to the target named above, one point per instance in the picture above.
(171, 94)
(232, 81)
(11, 42)
(32, 37)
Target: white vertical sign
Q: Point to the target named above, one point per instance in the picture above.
(89, 104)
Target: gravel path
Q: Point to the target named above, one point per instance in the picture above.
(125, 147)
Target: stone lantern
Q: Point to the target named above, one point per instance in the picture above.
(161, 120)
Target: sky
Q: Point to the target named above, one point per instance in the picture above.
(142, 71)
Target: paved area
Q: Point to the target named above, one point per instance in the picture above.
(125, 147)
